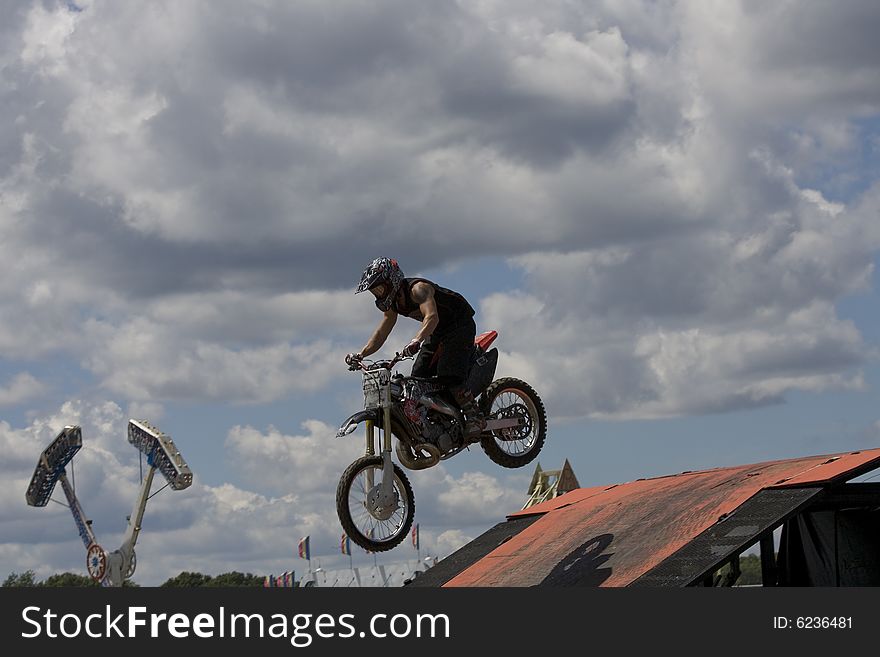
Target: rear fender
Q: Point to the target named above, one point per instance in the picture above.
(351, 423)
(485, 340)
(482, 371)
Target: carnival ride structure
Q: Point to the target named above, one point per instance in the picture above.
(109, 568)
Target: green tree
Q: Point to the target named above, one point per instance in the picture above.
(236, 578)
(188, 579)
(27, 578)
(20, 579)
(750, 566)
(69, 579)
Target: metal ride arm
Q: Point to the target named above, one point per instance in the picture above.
(49, 471)
(109, 569)
(121, 562)
(162, 455)
(79, 517)
(96, 558)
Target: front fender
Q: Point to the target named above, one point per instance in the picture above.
(349, 425)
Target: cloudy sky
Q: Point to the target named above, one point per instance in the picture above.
(668, 210)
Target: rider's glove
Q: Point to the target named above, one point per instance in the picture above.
(353, 359)
(412, 348)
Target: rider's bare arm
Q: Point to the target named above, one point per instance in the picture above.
(423, 294)
(381, 334)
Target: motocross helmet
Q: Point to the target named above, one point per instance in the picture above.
(382, 270)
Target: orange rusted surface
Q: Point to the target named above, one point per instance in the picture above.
(570, 497)
(628, 529)
(834, 468)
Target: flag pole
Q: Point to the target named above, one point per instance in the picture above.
(345, 546)
(417, 543)
(305, 551)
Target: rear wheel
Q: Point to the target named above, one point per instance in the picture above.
(366, 521)
(516, 446)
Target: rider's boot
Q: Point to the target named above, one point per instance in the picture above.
(475, 421)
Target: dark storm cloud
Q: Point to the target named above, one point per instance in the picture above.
(538, 132)
(841, 36)
(144, 266)
(313, 50)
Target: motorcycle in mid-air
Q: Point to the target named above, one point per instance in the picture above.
(374, 499)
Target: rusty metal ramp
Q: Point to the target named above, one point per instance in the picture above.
(666, 531)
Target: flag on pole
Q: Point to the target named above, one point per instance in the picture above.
(415, 536)
(304, 551)
(345, 544)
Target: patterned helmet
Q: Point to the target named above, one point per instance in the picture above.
(382, 270)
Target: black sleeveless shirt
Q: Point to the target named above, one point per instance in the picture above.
(452, 308)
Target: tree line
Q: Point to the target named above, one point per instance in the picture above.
(750, 573)
(185, 579)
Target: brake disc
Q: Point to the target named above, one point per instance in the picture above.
(374, 504)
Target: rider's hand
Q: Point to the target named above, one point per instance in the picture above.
(412, 348)
(352, 360)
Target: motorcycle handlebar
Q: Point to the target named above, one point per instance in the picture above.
(378, 364)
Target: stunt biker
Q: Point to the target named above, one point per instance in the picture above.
(446, 318)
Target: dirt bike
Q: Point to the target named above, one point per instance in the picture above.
(374, 499)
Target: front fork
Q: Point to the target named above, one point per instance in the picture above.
(387, 466)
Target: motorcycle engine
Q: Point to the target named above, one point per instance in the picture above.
(439, 429)
(436, 428)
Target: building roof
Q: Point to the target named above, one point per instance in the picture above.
(615, 535)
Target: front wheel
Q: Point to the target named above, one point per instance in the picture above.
(512, 398)
(369, 523)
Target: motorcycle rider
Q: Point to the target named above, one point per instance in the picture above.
(446, 318)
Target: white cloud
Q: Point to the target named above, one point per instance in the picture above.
(451, 540)
(278, 463)
(151, 412)
(45, 38)
(143, 360)
(476, 498)
(586, 73)
(666, 367)
(22, 387)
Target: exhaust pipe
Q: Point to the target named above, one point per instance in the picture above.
(418, 457)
